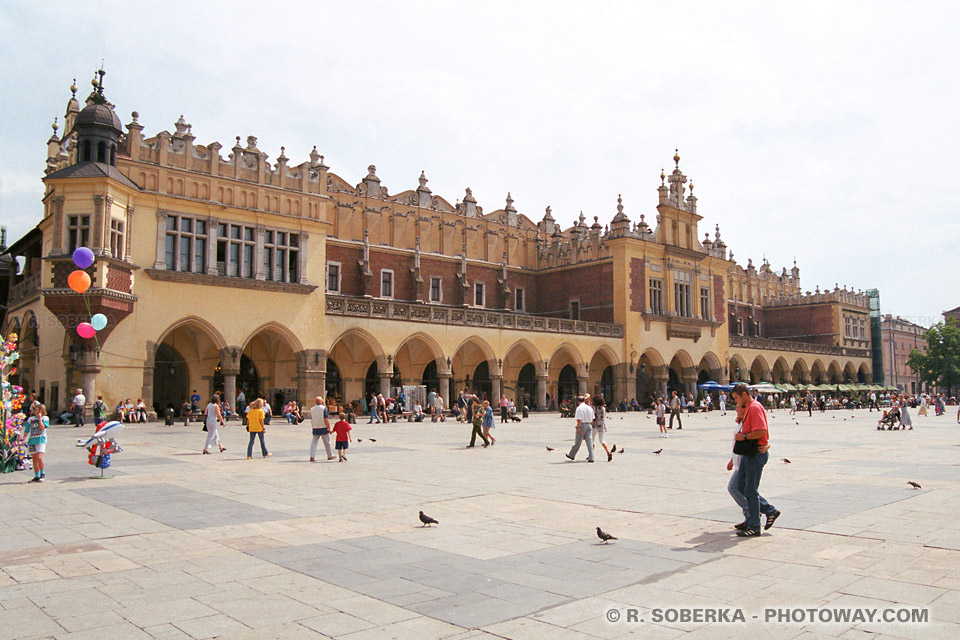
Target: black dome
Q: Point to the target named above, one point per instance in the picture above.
(99, 115)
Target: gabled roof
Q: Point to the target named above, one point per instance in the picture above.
(955, 311)
(94, 170)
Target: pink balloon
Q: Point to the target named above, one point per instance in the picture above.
(86, 330)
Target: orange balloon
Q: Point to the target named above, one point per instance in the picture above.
(79, 281)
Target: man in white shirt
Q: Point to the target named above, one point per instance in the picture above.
(320, 422)
(584, 417)
(77, 407)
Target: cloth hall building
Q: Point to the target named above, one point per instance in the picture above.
(219, 270)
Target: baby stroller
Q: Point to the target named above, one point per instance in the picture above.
(891, 419)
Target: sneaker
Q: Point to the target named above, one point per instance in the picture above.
(249, 457)
(312, 460)
(749, 533)
(609, 457)
(743, 526)
(268, 455)
(43, 474)
(569, 457)
(771, 519)
(35, 479)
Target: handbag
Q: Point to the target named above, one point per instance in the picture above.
(204, 427)
(746, 447)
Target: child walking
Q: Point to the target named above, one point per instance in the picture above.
(342, 428)
(488, 422)
(661, 417)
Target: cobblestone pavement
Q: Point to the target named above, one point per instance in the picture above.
(182, 545)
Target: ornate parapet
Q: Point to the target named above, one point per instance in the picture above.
(801, 347)
(481, 318)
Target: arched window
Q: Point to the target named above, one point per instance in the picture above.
(113, 155)
(85, 156)
(102, 152)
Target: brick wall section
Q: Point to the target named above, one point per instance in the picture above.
(351, 278)
(638, 285)
(450, 284)
(744, 314)
(719, 299)
(808, 323)
(592, 284)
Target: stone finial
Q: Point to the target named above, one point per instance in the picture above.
(468, 196)
(423, 180)
(676, 157)
(314, 155)
(372, 173)
(283, 156)
(548, 215)
(252, 143)
(74, 88)
(133, 117)
(663, 177)
(182, 125)
(596, 223)
(55, 126)
(717, 233)
(582, 220)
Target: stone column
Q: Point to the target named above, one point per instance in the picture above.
(311, 376)
(660, 385)
(302, 259)
(58, 234)
(385, 383)
(161, 262)
(541, 393)
(445, 388)
(624, 380)
(496, 389)
(210, 268)
(230, 387)
(258, 273)
(582, 384)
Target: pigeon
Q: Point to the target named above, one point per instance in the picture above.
(603, 535)
(359, 439)
(914, 484)
(427, 520)
(658, 451)
(373, 439)
(621, 450)
(785, 460)
(614, 449)
(549, 448)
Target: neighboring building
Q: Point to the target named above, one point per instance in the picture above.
(6, 266)
(290, 281)
(953, 313)
(899, 338)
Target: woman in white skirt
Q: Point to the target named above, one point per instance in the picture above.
(905, 420)
(214, 418)
(600, 424)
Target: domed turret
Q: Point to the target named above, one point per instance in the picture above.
(97, 127)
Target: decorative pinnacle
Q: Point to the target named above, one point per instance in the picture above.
(676, 157)
(55, 126)
(663, 176)
(73, 88)
(423, 179)
(619, 204)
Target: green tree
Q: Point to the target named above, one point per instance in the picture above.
(940, 365)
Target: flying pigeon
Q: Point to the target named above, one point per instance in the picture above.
(427, 520)
(658, 451)
(603, 535)
(785, 460)
(549, 448)
(914, 484)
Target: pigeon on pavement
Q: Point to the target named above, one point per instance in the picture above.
(614, 449)
(914, 484)
(549, 448)
(427, 520)
(785, 460)
(603, 535)
(658, 451)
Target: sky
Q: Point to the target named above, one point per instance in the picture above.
(815, 131)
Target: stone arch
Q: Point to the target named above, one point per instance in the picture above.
(600, 371)
(759, 370)
(818, 373)
(473, 366)
(183, 359)
(651, 376)
(738, 369)
(354, 351)
(800, 371)
(780, 373)
(419, 360)
(565, 355)
(682, 374)
(849, 372)
(710, 365)
(834, 372)
(522, 368)
(273, 350)
(864, 374)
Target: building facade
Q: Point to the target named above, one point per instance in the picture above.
(899, 338)
(287, 280)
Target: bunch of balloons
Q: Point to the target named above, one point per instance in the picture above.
(79, 281)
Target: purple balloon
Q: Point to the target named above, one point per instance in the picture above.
(83, 257)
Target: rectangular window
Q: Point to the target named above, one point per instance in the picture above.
(756, 326)
(116, 239)
(479, 295)
(520, 299)
(281, 256)
(79, 229)
(185, 247)
(333, 277)
(436, 289)
(386, 283)
(248, 261)
(682, 304)
(739, 326)
(705, 304)
(574, 309)
(656, 296)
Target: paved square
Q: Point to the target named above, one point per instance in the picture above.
(180, 545)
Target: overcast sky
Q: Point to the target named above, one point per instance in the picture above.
(817, 130)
